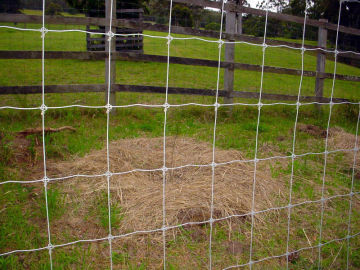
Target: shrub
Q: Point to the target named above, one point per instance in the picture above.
(213, 26)
(53, 9)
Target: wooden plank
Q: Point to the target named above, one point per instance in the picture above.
(140, 26)
(267, 96)
(118, 38)
(96, 39)
(135, 38)
(201, 3)
(239, 23)
(52, 19)
(130, 10)
(134, 56)
(50, 89)
(78, 88)
(320, 64)
(118, 45)
(230, 28)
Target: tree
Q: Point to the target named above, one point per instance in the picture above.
(277, 5)
(53, 9)
(329, 9)
(322, 9)
(96, 8)
(10, 6)
(181, 16)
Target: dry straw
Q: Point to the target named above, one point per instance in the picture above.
(188, 189)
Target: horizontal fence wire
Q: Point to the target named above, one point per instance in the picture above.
(304, 48)
(108, 174)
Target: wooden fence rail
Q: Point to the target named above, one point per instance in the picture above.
(233, 32)
(135, 24)
(80, 55)
(233, 7)
(78, 88)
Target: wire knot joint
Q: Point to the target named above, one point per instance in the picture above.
(43, 31)
(110, 35)
(166, 106)
(43, 109)
(264, 46)
(221, 42)
(46, 180)
(108, 108)
(108, 174)
(169, 38)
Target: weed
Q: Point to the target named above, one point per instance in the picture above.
(220, 234)
(5, 153)
(120, 258)
(9, 262)
(103, 212)
(17, 230)
(55, 202)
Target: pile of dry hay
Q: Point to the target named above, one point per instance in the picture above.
(188, 190)
(338, 139)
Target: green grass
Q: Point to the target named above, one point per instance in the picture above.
(23, 209)
(92, 72)
(102, 211)
(28, 72)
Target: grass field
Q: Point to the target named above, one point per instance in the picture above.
(84, 204)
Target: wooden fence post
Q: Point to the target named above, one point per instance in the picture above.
(320, 65)
(230, 28)
(110, 45)
(239, 23)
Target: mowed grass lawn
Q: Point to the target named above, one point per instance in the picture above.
(28, 72)
(22, 219)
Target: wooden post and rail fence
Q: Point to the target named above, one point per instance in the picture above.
(233, 32)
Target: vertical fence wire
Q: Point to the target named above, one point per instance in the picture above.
(348, 237)
(108, 110)
(166, 107)
(326, 141)
(216, 106)
(259, 105)
(294, 139)
(43, 110)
